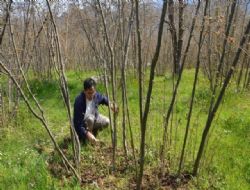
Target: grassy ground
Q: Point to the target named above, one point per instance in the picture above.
(26, 151)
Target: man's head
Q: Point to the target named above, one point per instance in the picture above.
(89, 88)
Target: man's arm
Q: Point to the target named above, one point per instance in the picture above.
(104, 101)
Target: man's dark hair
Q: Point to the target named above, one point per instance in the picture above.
(88, 83)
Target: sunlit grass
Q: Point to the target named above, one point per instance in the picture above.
(226, 165)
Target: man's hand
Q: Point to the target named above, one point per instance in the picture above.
(114, 107)
(91, 138)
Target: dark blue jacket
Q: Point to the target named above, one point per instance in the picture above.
(80, 109)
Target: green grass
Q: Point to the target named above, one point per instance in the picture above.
(226, 164)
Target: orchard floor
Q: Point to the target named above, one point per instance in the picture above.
(28, 159)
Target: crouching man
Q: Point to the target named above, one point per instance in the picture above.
(87, 120)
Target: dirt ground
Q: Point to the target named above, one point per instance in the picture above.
(97, 171)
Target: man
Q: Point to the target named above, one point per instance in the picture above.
(87, 120)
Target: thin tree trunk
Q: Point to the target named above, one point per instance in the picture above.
(139, 57)
(244, 62)
(2, 114)
(131, 133)
(150, 87)
(65, 93)
(180, 34)
(123, 65)
(39, 117)
(218, 101)
(247, 73)
(248, 80)
(225, 41)
(113, 79)
(194, 88)
(245, 59)
(173, 35)
(8, 6)
(139, 54)
(166, 121)
(209, 51)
